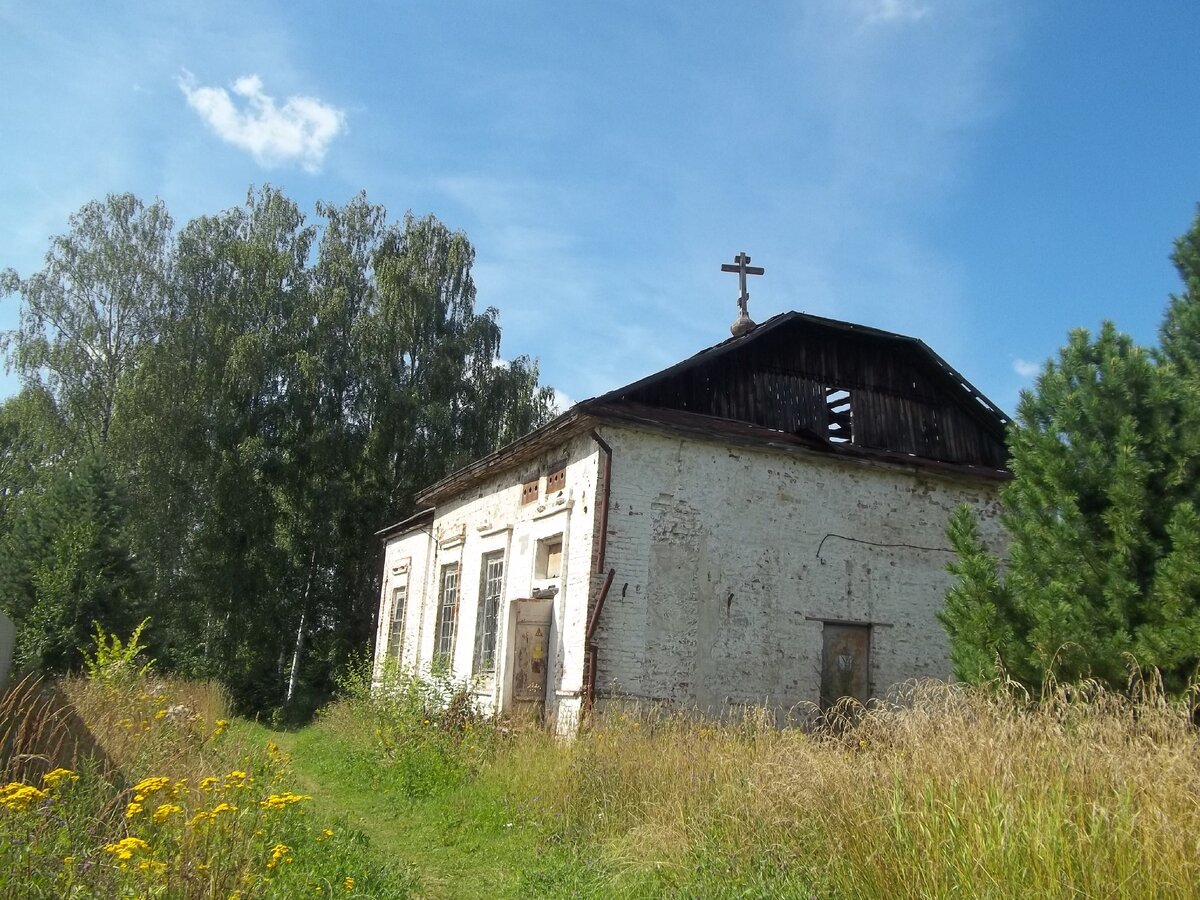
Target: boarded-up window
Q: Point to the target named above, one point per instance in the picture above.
(548, 562)
(491, 582)
(395, 644)
(447, 614)
(529, 491)
(556, 479)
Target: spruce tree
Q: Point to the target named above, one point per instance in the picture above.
(1103, 564)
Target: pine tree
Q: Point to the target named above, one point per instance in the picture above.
(1103, 567)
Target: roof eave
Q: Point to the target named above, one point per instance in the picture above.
(553, 432)
(412, 523)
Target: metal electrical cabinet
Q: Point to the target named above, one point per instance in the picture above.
(529, 657)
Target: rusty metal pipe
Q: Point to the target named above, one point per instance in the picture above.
(589, 642)
(589, 687)
(595, 617)
(607, 450)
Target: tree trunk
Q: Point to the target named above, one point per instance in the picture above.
(299, 648)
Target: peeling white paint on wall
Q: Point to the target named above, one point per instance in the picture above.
(491, 519)
(728, 561)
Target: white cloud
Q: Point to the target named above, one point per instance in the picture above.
(562, 401)
(299, 131)
(1025, 368)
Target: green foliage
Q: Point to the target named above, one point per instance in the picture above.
(1101, 516)
(267, 392)
(419, 735)
(102, 296)
(114, 662)
(66, 562)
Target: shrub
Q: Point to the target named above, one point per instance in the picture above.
(419, 733)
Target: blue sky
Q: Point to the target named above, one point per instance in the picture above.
(983, 175)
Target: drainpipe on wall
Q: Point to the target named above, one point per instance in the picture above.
(589, 642)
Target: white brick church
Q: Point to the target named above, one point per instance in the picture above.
(762, 523)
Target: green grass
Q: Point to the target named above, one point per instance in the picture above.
(466, 840)
(953, 793)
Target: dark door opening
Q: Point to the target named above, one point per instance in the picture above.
(845, 663)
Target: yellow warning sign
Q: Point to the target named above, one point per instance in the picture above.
(539, 652)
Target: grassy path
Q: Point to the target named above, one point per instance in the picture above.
(462, 844)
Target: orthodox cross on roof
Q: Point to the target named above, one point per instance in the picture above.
(741, 265)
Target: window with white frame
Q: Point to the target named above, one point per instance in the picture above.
(447, 614)
(491, 582)
(395, 644)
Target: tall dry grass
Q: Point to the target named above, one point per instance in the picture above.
(946, 791)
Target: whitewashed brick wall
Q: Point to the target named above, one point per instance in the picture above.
(720, 589)
(490, 517)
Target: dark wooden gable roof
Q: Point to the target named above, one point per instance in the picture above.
(848, 386)
(784, 386)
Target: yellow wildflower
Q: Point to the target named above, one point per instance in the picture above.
(19, 797)
(284, 800)
(151, 785)
(348, 884)
(132, 809)
(207, 784)
(224, 807)
(152, 865)
(280, 852)
(126, 847)
(200, 817)
(165, 811)
(160, 714)
(222, 724)
(50, 779)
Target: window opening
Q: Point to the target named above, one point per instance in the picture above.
(491, 581)
(841, 416)
(395, 644)
(548, 563)
(447, 614)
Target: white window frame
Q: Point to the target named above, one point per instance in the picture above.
(487, 625)
(395, 638)
(446, 624)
